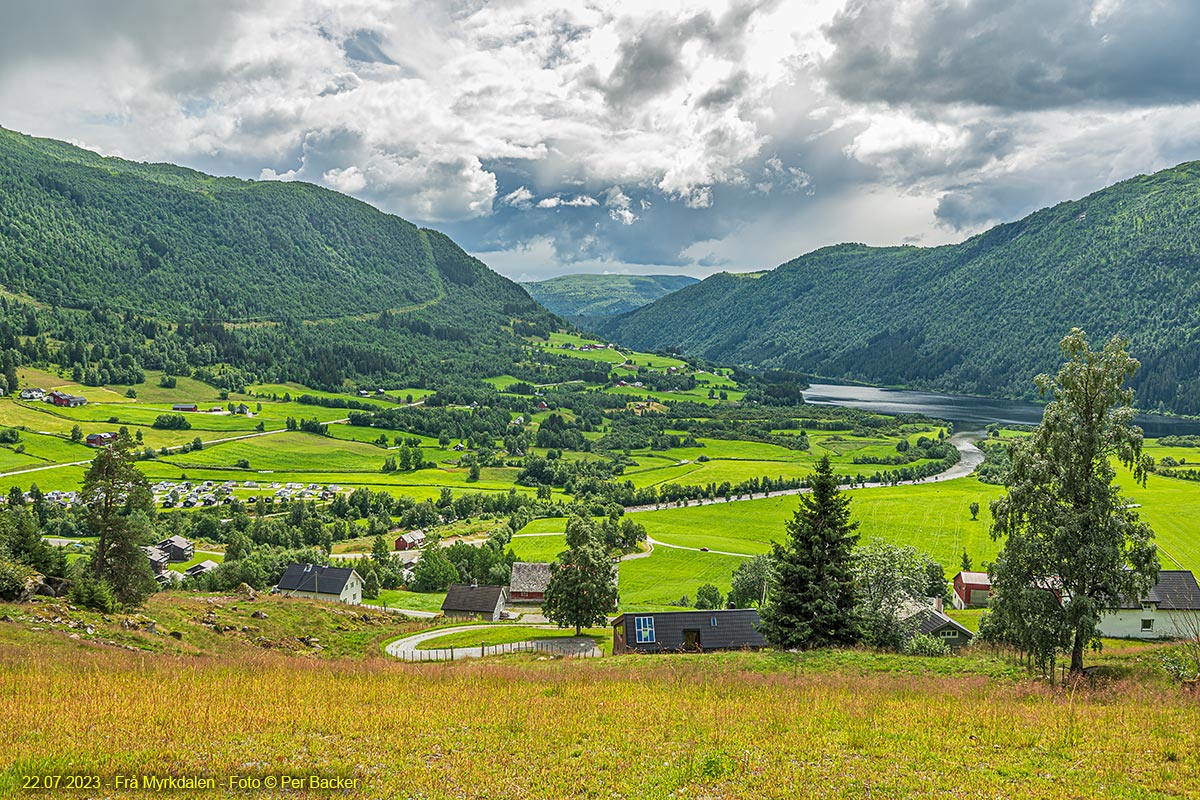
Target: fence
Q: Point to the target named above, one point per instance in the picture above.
(550, 647)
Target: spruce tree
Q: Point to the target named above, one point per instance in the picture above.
(812, 599)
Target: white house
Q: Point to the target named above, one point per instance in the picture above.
(335, 584)
(1170, 609)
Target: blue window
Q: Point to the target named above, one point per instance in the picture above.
(644, 627)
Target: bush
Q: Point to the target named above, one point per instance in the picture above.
(12, 579)
(708, 597)
(10, 436)
(925, 645)
(94, 594)
(172, 422)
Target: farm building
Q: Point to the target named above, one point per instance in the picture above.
(528, 583)
(100, 439)
(687, 631)
(933, 622)
(191, 407)
(335, 584)
(1171, 609)
(178, 548)
(972, 589)
(66, 400)
(470, 601)
(32, 394)
(411, 540)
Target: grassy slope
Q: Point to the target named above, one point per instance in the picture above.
(599, 295)
(737, 725)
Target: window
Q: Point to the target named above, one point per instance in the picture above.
(644, 627)
(1147, 625)
(949, 633)
(714, 622)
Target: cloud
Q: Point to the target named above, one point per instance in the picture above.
(1015, 54)
(716, 133)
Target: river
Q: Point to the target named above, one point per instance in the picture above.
(967, 413)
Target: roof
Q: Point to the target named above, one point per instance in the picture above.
(155, 554)
(314, 578)
(935, 620)
(475, 599)
(700, 614)
(530, 576)
(978, 578)
(175, 541)
(203, 566)
(1176, 590)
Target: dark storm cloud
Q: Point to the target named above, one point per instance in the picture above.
(1016, 54)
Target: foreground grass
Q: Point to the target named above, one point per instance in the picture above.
(734, 725)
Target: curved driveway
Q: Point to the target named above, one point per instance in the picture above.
(406, 648)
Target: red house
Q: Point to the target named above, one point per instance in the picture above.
(66, 400)
(529, 580)
(411, 540)
(100, 439)
(972, 589)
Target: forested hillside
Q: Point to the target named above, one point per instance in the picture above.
(134, 266)
(983, 316)
(603, 295)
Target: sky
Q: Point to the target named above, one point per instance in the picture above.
(640, 137)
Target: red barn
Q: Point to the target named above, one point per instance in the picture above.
(411, 540)
(972, 589)
(529, 580)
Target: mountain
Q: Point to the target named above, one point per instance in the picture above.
(180, 270)
(980, 317)
(593, 296)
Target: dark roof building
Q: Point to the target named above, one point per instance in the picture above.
(687, 631)
(321, 583)
(178, 548)
(1170, 609)
(529, 581)
(934, 623)
(469, 601)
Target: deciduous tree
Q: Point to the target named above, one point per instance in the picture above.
(581, 591)
(1068, 533)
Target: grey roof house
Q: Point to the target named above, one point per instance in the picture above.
(338, 584)
(469, 601)
(1170, 609)
(687, 631)
(529, 581)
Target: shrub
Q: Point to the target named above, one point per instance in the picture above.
(12, 579)
(172, 422)
(925, 645)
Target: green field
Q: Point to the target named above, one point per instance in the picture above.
(489, 635)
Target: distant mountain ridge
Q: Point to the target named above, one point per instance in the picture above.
(980, 317)
(168, 268)
(77, 228)
(593, 296)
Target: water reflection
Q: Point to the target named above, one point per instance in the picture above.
(967, 413)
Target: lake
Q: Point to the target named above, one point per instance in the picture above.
(967, 413)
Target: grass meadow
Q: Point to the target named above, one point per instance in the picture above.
(829, 723)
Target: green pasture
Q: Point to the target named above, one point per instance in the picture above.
(539, 547)
(667, 574)
(932, 517)
(413, 601)
(290, 451)
(489, 635)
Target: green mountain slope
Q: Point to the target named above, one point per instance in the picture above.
(77, 228)
(603, 295)
(983, 316)
(179, 270)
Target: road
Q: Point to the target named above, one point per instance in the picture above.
(406, 648)
(969, 458)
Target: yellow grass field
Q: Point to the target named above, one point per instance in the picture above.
(829, 723)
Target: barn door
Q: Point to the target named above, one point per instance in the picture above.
(691, 640)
